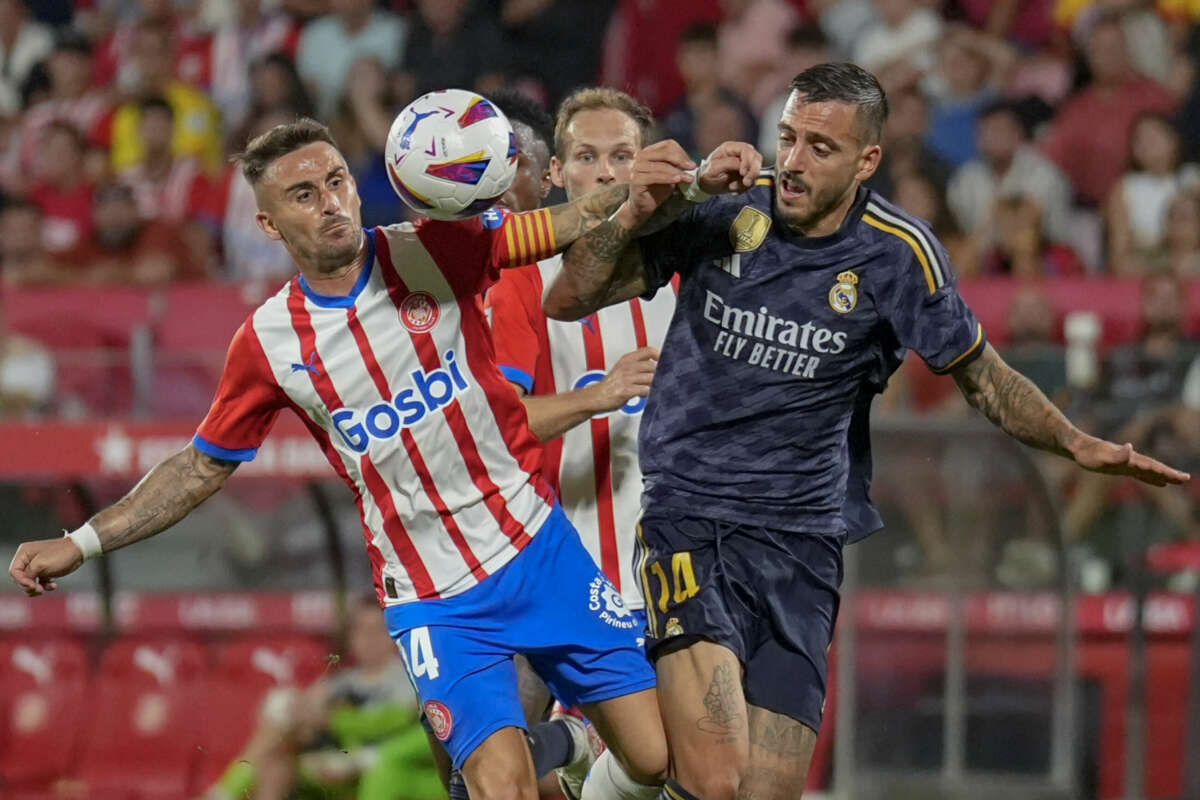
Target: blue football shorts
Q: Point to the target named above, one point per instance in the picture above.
(550, 603)
(770, 596)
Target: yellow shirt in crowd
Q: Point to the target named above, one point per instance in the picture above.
(1066, 11)
(197, 129)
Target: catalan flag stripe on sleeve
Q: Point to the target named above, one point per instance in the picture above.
(529, 237)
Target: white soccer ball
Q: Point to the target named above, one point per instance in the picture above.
(451, 154)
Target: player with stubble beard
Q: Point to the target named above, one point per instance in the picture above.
(798, 299)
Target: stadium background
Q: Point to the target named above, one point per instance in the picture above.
(995, 637)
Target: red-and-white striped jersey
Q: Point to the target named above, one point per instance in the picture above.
(398, 383)
(595, 466)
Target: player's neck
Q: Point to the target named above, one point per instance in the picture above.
(338, 281)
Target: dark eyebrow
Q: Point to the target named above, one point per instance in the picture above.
(820, 137)
(309, 184)
(785, 128)
(300, 185)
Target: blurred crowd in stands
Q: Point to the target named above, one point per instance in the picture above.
(1053, 145)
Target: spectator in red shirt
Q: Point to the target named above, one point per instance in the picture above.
(62, 190)
(169, 188)
(116, 57)
(72, 98)
(23, 258)
(1021, 248)
(124, 249)
(1090, 137)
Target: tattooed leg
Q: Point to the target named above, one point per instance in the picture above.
(780, 751)
(704, 710)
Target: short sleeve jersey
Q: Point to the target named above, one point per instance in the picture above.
(398, 383)
(594, 466)
(759, 412)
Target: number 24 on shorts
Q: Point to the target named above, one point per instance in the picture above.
(682, 583)
(420, 660)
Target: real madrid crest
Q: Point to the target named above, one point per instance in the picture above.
(843, 297)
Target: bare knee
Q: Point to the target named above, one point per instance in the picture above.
(647, 764)
(500, 768)
(716, 781)
(711, 773)
(502, 784)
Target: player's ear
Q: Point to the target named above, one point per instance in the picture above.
(267, 226)
(868, 162)
(545, 184)
(556, 173)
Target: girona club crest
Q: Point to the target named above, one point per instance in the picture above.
(419, 312)
(439, 718)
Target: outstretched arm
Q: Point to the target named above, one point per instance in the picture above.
(605, 266)
(166, 495)
(1011, 401)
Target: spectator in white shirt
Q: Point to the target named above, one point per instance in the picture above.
(23, 44)
(1008, 166)
(904, 35)
(330, 45)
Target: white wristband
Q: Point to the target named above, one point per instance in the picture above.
(88, 542)
(692, 191)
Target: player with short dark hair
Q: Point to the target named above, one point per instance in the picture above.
(798, 299)
(381, 347)
(534, 128)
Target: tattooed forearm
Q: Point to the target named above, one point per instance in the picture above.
(166, 495)
(598, 270)
(723, 702)
(572, 220)
(604, 266)
(1011, 401)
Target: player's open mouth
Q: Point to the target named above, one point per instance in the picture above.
(790, 189)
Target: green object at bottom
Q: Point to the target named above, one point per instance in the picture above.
(402, 770)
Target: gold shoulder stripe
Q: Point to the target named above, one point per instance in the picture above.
(508, 237)
(548, 224)
(968, 351)
(875, 222)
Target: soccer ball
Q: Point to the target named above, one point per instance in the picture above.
(451, 154)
